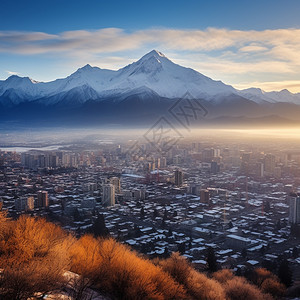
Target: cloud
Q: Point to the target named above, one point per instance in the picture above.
(12, 73)
(115, 39)
(214, 50)
(253, 48)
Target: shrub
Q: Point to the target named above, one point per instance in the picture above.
(273, 287)
(238, 288)
(223, 275)
(197, 285)
(34, 254)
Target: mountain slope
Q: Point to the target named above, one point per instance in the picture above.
(147, 87)
(153, 71)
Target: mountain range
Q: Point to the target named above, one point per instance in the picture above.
(137, 93)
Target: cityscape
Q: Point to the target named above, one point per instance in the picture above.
(237, 196)
(149, 150)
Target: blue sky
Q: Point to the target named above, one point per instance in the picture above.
(243, 43)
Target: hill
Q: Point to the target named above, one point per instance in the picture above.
(38, 258)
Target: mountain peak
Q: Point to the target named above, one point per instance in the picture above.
(87, 67)
(154, 53)
(15, 79)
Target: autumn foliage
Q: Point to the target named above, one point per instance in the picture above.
(36, 255)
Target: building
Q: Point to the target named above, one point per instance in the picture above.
(42, 199)
(88, 202)
(207, 155)
(270, 163)
(294, 214)
(259, 169)
(214, 167)
(204, 196)
(194, 189)
(163, 162)
(115, 181)
(108, 196)
(92, 187)
(24, 204)
(178, 178)
(239, 242)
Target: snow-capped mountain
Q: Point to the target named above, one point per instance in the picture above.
(153, 81)
(258, 95)
(153, 71)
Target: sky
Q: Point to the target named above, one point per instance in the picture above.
(243, 43)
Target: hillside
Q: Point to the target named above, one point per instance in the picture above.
(38, 258)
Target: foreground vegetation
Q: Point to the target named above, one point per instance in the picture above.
(36, 255)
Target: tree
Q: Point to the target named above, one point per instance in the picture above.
(244, 253)
(295, 230)
(155, 214)
(166, 252)
(34, 254)
(142, 213)
(137, 231)
(76, 215)
(262, 250)
(238, 288)
(278, 225)
(181, 248)
(295, 252)
(165, 215)
(285, 273)
(211, 260)
(99, 229)
(197, 285)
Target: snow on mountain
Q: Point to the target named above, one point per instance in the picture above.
(285, 96)
(257, 95)
(153, 72)
(24, 85)
(260, 96)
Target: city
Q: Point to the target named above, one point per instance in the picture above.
(149, 150)
(238, 197)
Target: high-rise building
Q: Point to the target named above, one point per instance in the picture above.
(108, 196)
(157, 162)
(178, 178)
(177, 160)
(270, 163)
(214, 167)
(294, 215)
(246, 156)
(204, 196)
(194, 189)
(91, 187)
(115, 181)
(163, 162)
(277, 172)
(42, 199)
(30, 203)
(259, 169)
(207, 155)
